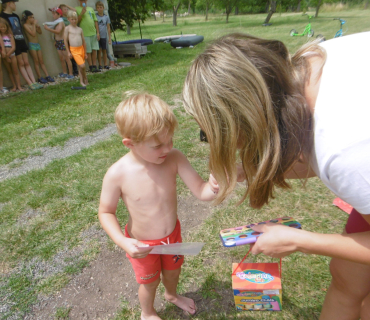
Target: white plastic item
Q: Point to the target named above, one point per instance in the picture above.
(189, 248)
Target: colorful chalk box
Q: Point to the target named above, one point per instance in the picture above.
(238, 236)
(257, 287)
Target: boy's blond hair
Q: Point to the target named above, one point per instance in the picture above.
(142, 116)
(99, 3)
(72, 14)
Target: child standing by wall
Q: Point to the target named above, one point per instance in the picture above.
(21, 48)
(105, 36)
(76, 45)
(145, 179)
(89, 24)
(2, 53)
(8, 55)
(32, 28)
(59, 43)
(65, 11)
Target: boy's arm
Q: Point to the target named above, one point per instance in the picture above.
(57, 29)
(66, 42)
(70, 8)
(97, 30)
(109, 198)
(205, 191)
(83, 42)
(29, 29)
(109, 36)
(38, 28)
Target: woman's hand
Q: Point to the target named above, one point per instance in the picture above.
(277, 240)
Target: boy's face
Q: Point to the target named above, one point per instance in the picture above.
(73, 21)
(11, 5)
(100, 9)
(56, 15)
(30, 19)
(65, 11)
(155, 149)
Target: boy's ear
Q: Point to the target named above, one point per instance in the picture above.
(127, 142)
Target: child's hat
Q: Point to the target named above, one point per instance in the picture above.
(56, 9)
(6, 1)
(25, 14)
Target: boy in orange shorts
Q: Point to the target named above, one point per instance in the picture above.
(76, 46)
(145, 179)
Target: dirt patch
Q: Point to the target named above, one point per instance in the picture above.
(99, 290)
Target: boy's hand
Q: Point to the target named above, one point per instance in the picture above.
(110, 41)
(136, 249)
(70, 56)
(85, 56)
(83, 10)
(213, 184)
(46, 27)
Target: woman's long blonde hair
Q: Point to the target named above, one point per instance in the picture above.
(247, 94)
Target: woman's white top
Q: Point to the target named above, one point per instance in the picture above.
(341, 155)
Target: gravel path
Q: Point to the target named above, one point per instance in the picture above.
(71, 147)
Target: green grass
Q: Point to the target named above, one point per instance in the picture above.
(64, 196)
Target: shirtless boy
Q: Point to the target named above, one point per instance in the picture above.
(32, 28)
(59, 42)
(76, 46)
(145, 179)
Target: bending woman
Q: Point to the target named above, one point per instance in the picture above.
(293, 117)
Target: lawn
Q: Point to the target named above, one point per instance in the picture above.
(50, 210)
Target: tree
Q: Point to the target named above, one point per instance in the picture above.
(123, 13)
(204, 5)
(228, 5)
(271, 11)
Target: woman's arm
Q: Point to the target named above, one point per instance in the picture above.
(279, 241)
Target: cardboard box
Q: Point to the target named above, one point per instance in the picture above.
(257, 287)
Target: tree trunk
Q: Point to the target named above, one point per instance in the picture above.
(366, 4)
(189, 8)
(128, 29)
(155, 18)
(298, 6)
(318, 8)
(271, 12)
(207, 11)
(236, 10)
(174, 16)
(267, 6)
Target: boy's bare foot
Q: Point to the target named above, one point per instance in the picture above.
(20, 89)
(183, 303)
(150, 317)
(14, 89)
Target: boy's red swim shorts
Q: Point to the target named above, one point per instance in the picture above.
(148, 269)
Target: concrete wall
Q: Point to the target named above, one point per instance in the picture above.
(41, 13)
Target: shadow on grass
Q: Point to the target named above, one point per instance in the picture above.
(215, 300)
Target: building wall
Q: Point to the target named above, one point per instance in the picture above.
(39, 8)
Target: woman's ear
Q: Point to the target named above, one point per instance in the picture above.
(127, 142)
